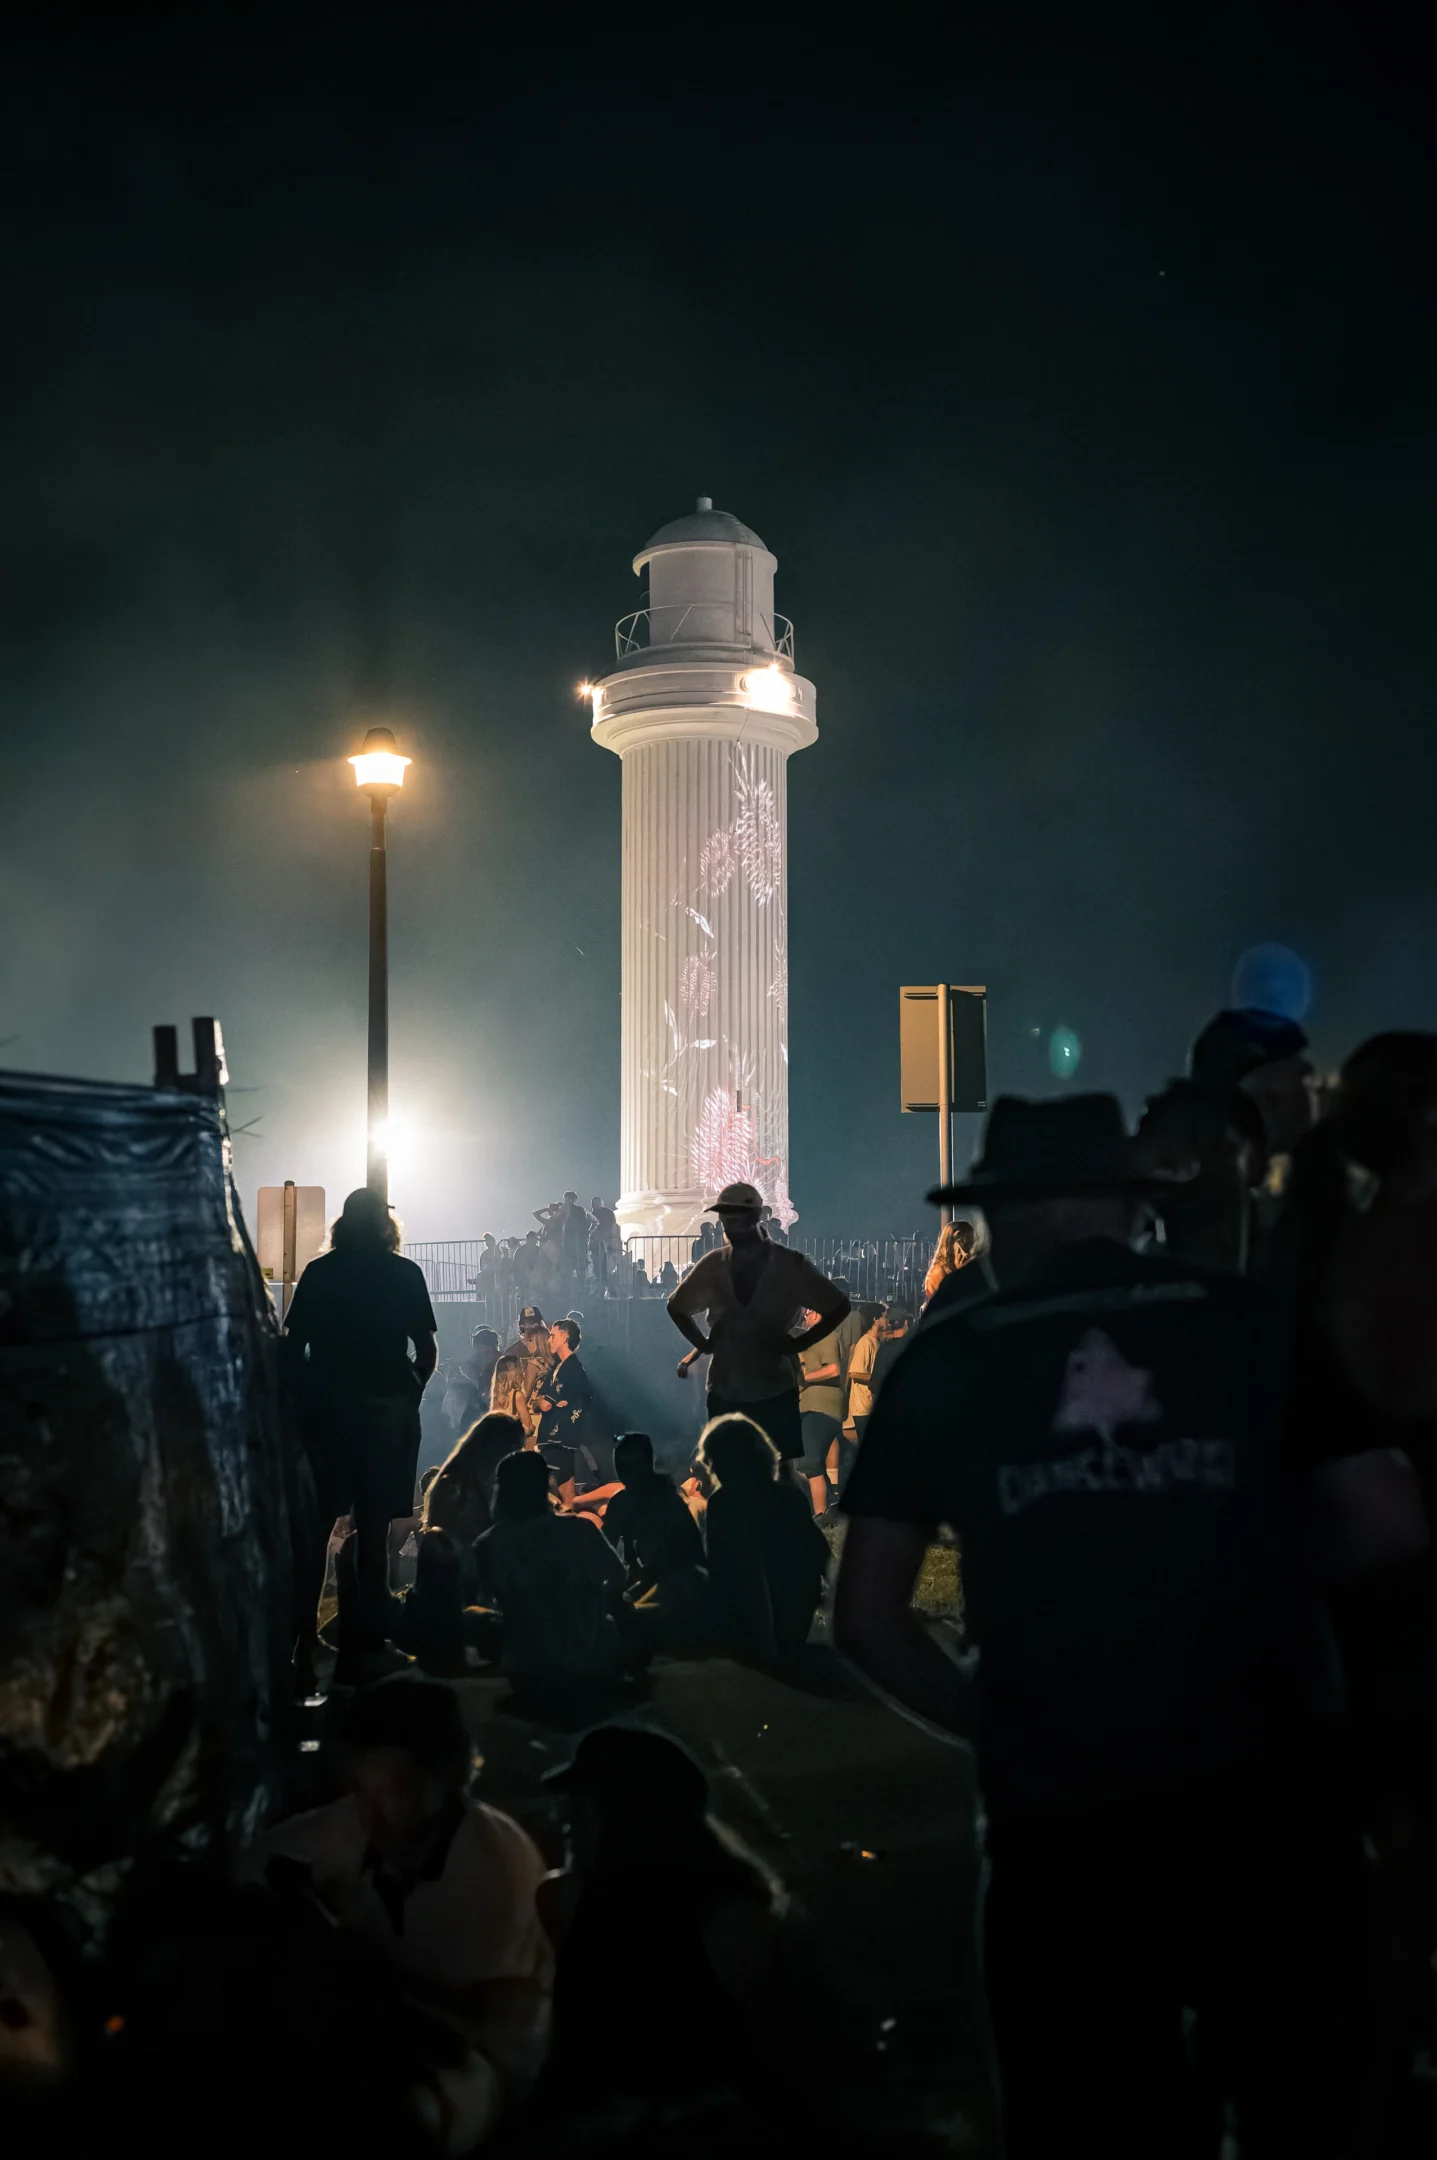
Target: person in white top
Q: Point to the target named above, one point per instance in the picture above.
(443, 1886)
(753, 1293)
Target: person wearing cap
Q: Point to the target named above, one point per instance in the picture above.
(753, 1293)
(360, 1343)
(1154, 1710)
(521, 1371)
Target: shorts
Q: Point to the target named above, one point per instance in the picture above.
(777, 1415)
(819, 1433)
(560, 1460)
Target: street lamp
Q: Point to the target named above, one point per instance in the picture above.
(379, 770)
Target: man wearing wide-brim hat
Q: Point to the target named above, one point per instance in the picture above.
(752, 1293)
(1153, 1713)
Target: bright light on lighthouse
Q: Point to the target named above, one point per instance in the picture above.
(768, 689)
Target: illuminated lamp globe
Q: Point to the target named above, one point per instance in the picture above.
(768, 689)
(379, 766)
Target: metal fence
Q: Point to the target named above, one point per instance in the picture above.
(877, 1269)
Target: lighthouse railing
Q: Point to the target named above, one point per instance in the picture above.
(636, 632)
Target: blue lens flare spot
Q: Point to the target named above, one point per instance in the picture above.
(1065, 1053)
(1272, 978)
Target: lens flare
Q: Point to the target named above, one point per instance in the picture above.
(1065, 1053)
(1273, 979)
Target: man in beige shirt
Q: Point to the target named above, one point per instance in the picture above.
(752, 1293)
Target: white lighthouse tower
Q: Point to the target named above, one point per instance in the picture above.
(704, 709)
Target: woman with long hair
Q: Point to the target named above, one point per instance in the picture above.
(458, 1508)
(359, 1346)
(766, 1556)
(957, 1246)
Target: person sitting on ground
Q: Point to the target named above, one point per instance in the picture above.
(767, 1558)
(652, 1530)
(554, 1579)
(661, 1915)
(458, 1509)
(443, 1885)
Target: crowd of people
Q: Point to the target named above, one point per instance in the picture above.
(1174, 1393)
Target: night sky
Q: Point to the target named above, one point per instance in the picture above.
(1080, 380)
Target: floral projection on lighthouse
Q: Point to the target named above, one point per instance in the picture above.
(732, 1107)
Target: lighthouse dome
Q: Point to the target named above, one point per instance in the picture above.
(703, 526)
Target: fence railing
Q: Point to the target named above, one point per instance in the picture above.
(640, 630)
(877, 1270)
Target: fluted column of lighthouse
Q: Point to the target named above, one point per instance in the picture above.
(704, 717)
(705, 976)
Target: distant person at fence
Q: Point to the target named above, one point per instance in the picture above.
(767, 1558)
(360, 1342)
(604, 1243)
(753, 1294)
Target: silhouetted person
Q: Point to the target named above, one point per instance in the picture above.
(665, 1932)
(752, 1293)
(661, 1547)
(767, 1558)
(458, 1509)
(1246, 1103)
(555, 1580)
(568, 1417)
(359, 1345)
(1155, 1713)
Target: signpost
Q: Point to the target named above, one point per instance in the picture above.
(943, 1058)
(289, 1232)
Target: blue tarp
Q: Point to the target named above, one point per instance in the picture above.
(144, 1538)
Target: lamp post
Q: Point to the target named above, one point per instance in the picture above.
(379, 770)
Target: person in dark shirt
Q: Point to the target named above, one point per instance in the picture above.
(665, 1928)
(1155, 1712)
(568, 1418)
(555, 1579)
(767, 1557)
(359, 1346)
(658, 1540)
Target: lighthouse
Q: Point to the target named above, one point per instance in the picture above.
(704, 709)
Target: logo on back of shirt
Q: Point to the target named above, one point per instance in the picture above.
(1101, 1391)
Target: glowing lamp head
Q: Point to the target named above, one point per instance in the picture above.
(769, 689)
(379, 764)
